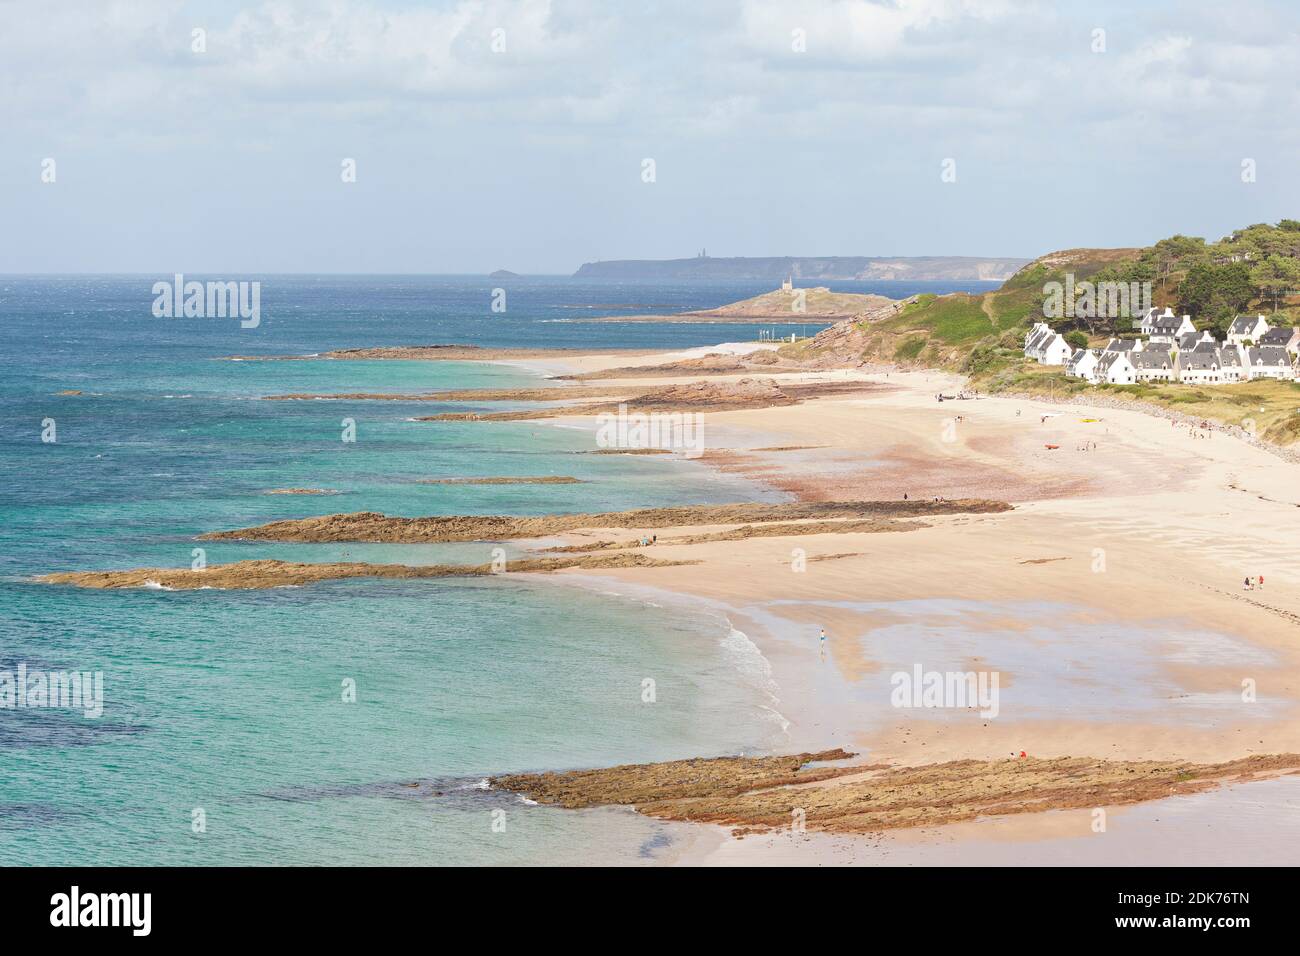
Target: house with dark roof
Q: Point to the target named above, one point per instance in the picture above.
(1189, 340)
(1083, 364)
(1153, 364)
(1167, 327)
(1055, 351)
(1047, 347)
(1037, 336)
(1201, 366)
(1281, 337)
(1269, 361)
(1123, 345)
(1232, 364)
(1116, 368)
(1146, 320)
(1247, 328)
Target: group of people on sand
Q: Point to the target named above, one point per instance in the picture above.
(646, 542)
(1206, 431)
(1252, 583)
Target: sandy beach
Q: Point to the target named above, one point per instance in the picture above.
(1110, 601)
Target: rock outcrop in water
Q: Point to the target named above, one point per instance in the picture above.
(715, 363)
(276, 574)
(781, 530)
(706, 396)
(764, 792)
(376, 527)
(642, 784)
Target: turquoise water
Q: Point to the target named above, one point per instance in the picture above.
(229, 705)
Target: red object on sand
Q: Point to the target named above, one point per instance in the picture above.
(1051, 447)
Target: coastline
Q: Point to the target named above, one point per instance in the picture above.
(1199, 635)
(1141, 658)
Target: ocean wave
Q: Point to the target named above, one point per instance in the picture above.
(744, 653)
(755, 668)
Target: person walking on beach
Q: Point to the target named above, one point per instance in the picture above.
(1261, 581)
(821, 643)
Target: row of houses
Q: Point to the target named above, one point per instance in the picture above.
(1174, 351)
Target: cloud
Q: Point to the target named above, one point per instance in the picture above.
(446, 123)
(105, 64)
(861, 32)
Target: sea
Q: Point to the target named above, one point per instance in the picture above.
(354, 721)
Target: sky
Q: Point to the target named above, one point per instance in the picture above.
(517, 134)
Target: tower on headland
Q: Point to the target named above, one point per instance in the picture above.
(788, 284)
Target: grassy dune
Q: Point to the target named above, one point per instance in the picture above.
(1271, 410)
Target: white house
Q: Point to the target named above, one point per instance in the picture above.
(1153, 365)
(1055, 351)
(1247, 328)
(1035, 339)
(1167, 327)
(1269, 361)
(1201, 366)
(1232, 364)
(1083, 364)
(1147, 320)
(1114, 368)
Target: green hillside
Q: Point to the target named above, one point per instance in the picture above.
(1253, 269)
(982, 335)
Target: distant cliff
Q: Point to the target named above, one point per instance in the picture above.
(775, 268)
